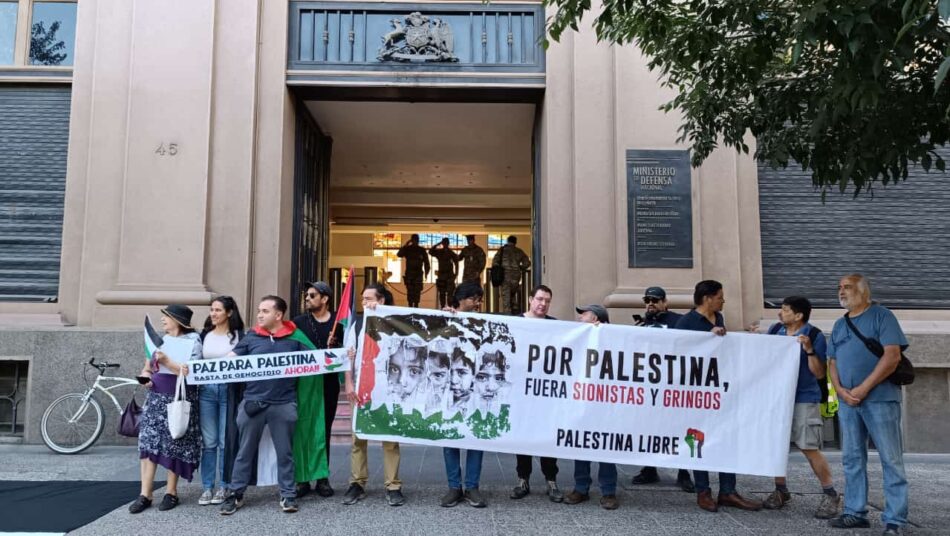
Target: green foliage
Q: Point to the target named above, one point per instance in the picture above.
(852, 90)
(44, 48)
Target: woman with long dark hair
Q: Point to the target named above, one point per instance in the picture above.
(222, 331)
(156, 445)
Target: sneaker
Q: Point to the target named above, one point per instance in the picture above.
(218, 496)
(231, 504)
(848, 521)
(303, 489)
(323, 488)
(609, 502)
(354, 494)
(288, 505)
(451, 497)
(647, 475)
(205, 498)
(474, 498)
(395, 497)
(168, 502)
(521, 490)
(685, 482)
(576, 497)
(892, 530)
(829, 506)
(554, 493)
(140, 505)
(776, 500)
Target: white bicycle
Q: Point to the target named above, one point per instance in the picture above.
(74, 422)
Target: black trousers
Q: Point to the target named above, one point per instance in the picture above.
(331, 397)
(548, 467)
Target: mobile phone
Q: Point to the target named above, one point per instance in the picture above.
(638, 319)
(143, 379)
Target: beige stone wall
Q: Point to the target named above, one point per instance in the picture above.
(144, 229)
(601, 101)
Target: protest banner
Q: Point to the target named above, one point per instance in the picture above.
(610, 393)
(251, 368)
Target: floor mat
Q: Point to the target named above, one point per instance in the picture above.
(60, 506)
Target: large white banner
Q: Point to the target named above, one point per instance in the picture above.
(623, 394)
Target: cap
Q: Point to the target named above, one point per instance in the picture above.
(179, 313)
(599, 311)
(321, 287)
(655, 292)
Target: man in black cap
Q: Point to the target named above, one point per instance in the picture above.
(606, 472)
(658, 315)
(316, 324)
(473, 257)
(417, 267)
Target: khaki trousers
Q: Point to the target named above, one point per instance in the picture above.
(359, 468)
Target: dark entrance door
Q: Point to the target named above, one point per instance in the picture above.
(311, 205)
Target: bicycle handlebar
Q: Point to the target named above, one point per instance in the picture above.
(102, 366)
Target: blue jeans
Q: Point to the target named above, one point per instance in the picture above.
(453, 468)
(727, 482)
(882, 422)
(606, 477)
(213, 414)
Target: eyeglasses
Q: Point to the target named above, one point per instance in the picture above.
(312, 294)
(648, 300)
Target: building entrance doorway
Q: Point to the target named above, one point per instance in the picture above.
(439, 170)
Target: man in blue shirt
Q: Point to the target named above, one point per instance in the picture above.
(706, 316)
(872, 404)
(806, 418)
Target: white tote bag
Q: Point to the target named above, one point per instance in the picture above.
(179, 410)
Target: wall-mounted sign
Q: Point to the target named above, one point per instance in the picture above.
(659, 209)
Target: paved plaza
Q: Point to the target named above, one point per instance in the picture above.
(658, 509)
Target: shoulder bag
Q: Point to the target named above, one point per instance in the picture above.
(903, 374)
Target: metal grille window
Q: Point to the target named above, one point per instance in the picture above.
(34, 133)
(899, 238)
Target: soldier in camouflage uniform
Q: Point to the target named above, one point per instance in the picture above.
(473, 257)
(445, 275)
(417, 266)
(512, 260)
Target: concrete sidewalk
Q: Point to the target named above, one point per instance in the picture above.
(657, 509)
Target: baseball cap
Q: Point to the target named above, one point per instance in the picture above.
(599, 311)
(655, 292)
(321, 287)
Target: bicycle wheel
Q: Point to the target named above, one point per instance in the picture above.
(71, 425)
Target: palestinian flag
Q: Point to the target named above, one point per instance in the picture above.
(310, 447)
(153, 341)
(346, 312)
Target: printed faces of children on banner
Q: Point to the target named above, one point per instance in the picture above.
(443, 375)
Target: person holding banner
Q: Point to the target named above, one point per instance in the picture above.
(806, 418)
(156, 445)
(706, 316)
(223, 329)
(538, 305)
(606, 472)
(467, 299)
(657, 314)
(373, 295)
(268, 402)
(320, 326)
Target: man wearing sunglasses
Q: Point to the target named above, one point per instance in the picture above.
(658, 315)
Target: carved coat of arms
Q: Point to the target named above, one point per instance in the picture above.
(417, 37)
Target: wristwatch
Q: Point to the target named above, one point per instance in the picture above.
(811, 354)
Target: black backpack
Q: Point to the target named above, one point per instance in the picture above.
(813, 333)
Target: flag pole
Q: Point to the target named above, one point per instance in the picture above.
(347, 291)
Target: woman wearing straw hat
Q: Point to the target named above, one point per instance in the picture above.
(156, 445)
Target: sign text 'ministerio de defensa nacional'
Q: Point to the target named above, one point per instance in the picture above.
(659, 209)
